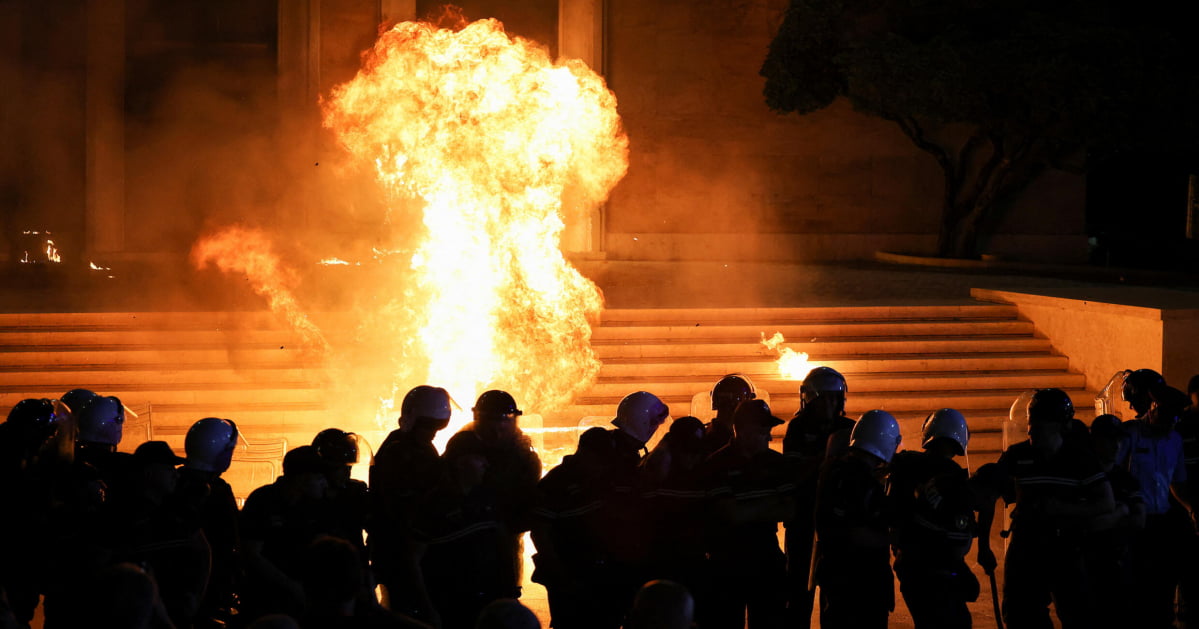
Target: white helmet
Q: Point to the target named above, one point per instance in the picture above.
(209, 444)
(101, 421)
(640, 414)
(876, 432)
(947, 423)
(425, 403)
(821, 380)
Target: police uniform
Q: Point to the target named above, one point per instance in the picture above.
(586, 534)
(1044, 559)
(208, 501)
(748, 568)
(804, 445)
(1157, 461)
(855, 579)
(1108, 558)
(405, 471)
(933, 527)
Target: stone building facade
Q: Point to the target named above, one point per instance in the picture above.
(133, 125)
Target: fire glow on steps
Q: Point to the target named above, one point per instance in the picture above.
(493, 144)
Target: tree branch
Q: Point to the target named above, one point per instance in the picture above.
(911, 128)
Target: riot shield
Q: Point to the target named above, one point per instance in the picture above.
(1110, 400)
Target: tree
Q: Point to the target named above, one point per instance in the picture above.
(995, 90)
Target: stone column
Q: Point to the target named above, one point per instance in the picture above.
(581, 36)
(581, 31)
(299, 46)
(397, 10)
(104, 184)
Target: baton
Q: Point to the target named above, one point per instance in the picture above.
(995, 599)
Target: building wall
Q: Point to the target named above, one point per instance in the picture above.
(222, 124)
(712, 168)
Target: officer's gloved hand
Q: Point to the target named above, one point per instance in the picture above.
(986, 559)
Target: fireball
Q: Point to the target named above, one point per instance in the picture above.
(489, 136)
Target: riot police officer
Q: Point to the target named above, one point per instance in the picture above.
(933, 524)
(1058, 486)
(852, 563)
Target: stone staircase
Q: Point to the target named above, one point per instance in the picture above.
(909, 360)
(177, 367)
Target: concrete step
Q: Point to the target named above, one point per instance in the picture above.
(812, 331)
(875, 383)
(857, 403)
(125, 357)
(166, 339)
(213, 395)
(165, 376)
(710, 369)
(260, 319)
(691, 316)
(615, 349)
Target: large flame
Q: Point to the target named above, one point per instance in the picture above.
(482, 145)
(490, 136)
(249, 252)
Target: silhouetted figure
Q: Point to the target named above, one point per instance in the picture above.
(100, 425)
(156, 534)
(507, 613)
(348, 498)
(589, 527)
(1058, 487)
(278, 522)
(468, 561)
(123, 595)
(679, 508)
(1153, 452)
(853, 564)
(750, 492)
(404, 473)
(819, 423)
(727, 393)
(662, 604)
(24, 436)
(207, 500)
(932, 514)
(1109, 541)
(331, 572)
(511, 471)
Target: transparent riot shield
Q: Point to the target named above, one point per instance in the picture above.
(364, 458)
(1110, 400)
(1015, 429)
(701, 404)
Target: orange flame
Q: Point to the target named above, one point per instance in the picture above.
(489, 136)
(249, 251)
(792, 365)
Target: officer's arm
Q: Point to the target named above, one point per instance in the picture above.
(264, 569)
(986, 484)
(837, 444)
(772, 508)
(1180, 490)
(1098, 500)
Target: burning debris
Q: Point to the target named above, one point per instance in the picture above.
(43, 247)
(792, 365)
